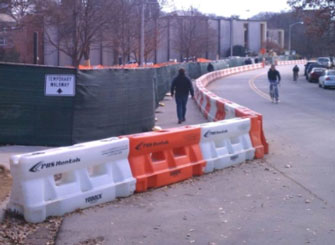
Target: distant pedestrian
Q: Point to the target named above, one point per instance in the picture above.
(181, 87)
(210, 67)
(274, 80)
(295, 72)
(248, 61)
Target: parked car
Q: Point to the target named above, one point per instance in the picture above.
(307, 65)
(315, 73)
(325, 61)
(311, 66)
(327, 79)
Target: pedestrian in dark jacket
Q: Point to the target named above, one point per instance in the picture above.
(210, 67)
(274, 80)
(295, 69)
(295, 72)
(181, 87)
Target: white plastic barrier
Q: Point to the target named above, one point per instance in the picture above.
(207, 101)
(230, 108)
(226, 143)
(204, 101)
(291, 62)
(213, 108)
(198, 92)
(61, 180)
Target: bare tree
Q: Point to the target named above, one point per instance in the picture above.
(120, 31)
(78, 25)
(124, 28)
(319, 18)
(194, 35)
(272, 46)
(18, 8)
(152, 14)
(299, 42)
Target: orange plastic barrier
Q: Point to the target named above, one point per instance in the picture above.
(126, 66)
(130, 65)
(84, 67)
(165, 157)
(203, 60)
(256, 132)
(220, 113)
(216, 109)
(208, 106)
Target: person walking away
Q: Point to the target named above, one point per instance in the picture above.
(295, 72)
(274, 80)
(181, 87)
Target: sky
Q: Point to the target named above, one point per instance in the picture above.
(226, 8)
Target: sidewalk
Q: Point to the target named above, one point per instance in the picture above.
(167, 115)
(166, 118)
(5, 183)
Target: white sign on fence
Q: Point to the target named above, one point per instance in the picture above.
(60, 85)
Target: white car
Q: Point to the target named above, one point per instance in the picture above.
(325, 61)
(327, 79)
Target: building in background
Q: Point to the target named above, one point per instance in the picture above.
(29, 40)
(7, 25)
(21, 43)
(213, 38)
(170, 37)
(180, 38)
(276, 36)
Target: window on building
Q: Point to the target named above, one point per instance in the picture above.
(263, 34)
(2, 41)
(281, 39)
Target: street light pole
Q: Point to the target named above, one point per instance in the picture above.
(289, 33)
(231, 36)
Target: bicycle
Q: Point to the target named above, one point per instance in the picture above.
(295, 76)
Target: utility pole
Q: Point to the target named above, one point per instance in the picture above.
(289, 33)
(35, 58)
(231, 36)
(219, 38)
(207, 41)
(144, 3)
(142, 34)
(168, 39)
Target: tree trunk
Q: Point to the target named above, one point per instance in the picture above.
(86, 53)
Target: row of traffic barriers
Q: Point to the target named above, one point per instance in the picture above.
(291, 62)
(61, 180)
(215, 108)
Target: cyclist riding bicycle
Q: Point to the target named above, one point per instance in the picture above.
(295, 72)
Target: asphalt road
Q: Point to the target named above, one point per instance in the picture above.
(286, 198)
(300, 129)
